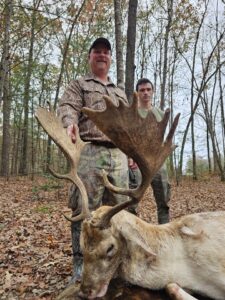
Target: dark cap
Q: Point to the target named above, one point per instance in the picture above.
(103, 41)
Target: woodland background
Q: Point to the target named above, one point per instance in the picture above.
(178, 44)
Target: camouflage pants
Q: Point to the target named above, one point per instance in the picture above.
(93, 160)
(161, 191)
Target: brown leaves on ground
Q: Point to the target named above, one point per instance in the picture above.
(207, 194)
(35, 246)
(35, 243)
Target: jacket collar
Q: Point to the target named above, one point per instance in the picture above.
(90, 76)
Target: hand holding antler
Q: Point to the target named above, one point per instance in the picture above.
(72, 132)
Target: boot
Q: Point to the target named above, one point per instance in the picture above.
(77, 269)
(163, 215)
(77, 255)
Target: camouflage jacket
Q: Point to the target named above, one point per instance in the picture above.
(87, 91)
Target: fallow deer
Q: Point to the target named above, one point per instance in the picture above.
(186, 253)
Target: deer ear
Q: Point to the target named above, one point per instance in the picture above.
(142, 245)
(138, 241)
(191, 232)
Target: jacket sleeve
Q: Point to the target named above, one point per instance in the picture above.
(70, 104)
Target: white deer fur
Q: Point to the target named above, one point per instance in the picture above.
(189, 251)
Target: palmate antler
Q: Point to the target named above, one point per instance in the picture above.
(140, 138)
(53, 126)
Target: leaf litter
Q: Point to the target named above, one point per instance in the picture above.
(35, 242)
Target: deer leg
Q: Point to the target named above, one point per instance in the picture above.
(177, 293)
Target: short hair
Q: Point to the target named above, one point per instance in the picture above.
(143, 81)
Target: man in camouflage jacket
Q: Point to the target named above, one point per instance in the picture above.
(100, 153)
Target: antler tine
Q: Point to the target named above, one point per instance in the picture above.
(172, 129)
(165, 120)
(55, 130)
(140, 138)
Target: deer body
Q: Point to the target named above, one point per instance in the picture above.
(188, 251)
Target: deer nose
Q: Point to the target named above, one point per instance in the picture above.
(86, 292)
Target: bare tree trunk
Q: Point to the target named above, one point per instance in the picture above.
(144, 53)
(211, 127)
(4, 63)
(160, 55)
(15, 140)
(59, 82)
(18, 145)
(171, 164)
(194, 164)
(6, 139)
(210, 116)
(200, 90)
(5, 92)
(165, 52)
(32, 142)
(119, 43)
(208, 149)
(222, 116)
(221, 93)
(194, 168)
(13, 146)
(210, 120)
(143, 35)
(23, 168)
(173, 158)
(130, 53)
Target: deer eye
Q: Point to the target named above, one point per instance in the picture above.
(110, 251)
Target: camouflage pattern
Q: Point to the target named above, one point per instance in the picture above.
(77, 255)
(161, 191)
(87, 91)
(93, 160)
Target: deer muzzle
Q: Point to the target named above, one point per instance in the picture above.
(87, 292)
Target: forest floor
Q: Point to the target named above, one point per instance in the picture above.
(35, 244)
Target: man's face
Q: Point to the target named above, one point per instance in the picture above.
(145, 92)
(100, 59)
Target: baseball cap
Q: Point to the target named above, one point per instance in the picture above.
(103, 41)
